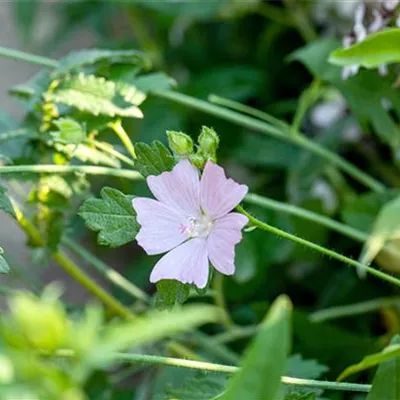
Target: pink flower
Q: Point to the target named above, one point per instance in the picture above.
(192, 221)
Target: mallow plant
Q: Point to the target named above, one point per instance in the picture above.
(174, 199)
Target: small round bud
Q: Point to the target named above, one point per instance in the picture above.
(208, 143)
(180, 143)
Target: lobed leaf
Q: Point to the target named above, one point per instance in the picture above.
(78, 59)
(153, 159)
(112, 216)
(95, 95)
(171, 292)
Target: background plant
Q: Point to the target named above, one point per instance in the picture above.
(319, 153)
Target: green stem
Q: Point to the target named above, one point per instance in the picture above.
(117, 127)
(242, 108)
(113, 276)
(350, 310)
(301, 20)
(211, 367)
(110, 150)
(330, 253)
(276, 14)
(72, 269)
(30, 58)
(68, 169)
(275, 132)
(307, 215)
(236, 334)
(218, 286)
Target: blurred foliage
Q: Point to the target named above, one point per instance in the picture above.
(104, 106)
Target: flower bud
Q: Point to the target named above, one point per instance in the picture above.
(180, 143)
(208, 143)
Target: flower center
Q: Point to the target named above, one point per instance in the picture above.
(199, 227)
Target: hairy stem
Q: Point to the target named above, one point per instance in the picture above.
(68, 169)
(72, 269)
(350, 310)
(330, 253)
(211, 367)
(275, 132)
(110, 150)
(113, 276)
(30, 58)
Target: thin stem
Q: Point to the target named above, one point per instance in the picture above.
(218, 286)
(30, 58)
(211, 367)
(234, 105)
(276, 14)
(110, 150)
(307, 215)
(301, 20)
(68, 169)
(330, 253)
(117, 127)
(273, 131)
(72, 269)
(113, 276)
(350, 310)
(236, 334)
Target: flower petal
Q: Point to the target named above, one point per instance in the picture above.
(219, 195)
(162, 227)
(225, 234)
(187, 263)
(178, 188)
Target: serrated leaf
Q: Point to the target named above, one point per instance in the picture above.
(153, 159)
(77, 59)
(386, 383)
(169, 293)
(200, 387)
(378, 48)
(94, 95)
(265, 360)
(86, 153)
(298, 367)
(57, 184)
(388, 353)
(112, 216)
(5, 203)
(70, 131)
(4, 267)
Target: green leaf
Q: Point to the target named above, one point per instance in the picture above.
(386, 227)
(95, 95)
(112, 216)
(246, 260)
(155, 326)
(363, 92)
(171, 292)
(153, 82)
(4, 267)
(89, 154)
(5, 203)
(388, 353)
(301, 396)
(386, 383)
(298, 367)
(378, 48)
(153, 159)
(70, 131)
(78, 59)
(265, 360)
(200, 387)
